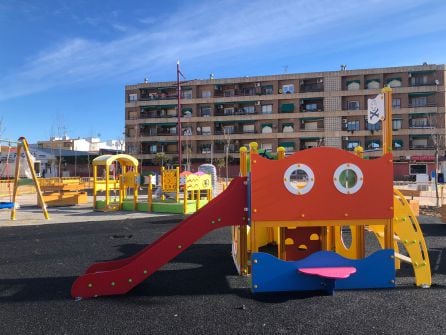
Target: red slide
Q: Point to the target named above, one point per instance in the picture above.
(120, 276)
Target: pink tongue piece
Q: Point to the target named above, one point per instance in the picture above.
(330, 272)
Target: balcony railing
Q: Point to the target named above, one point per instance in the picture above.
(237, 131)
(417, 105)
(422, 147)
(158, 96)
(422, 82)
(236, 112)
(304, 110)
(156, 132)
(319, 87)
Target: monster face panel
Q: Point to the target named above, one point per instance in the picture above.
(321, 184)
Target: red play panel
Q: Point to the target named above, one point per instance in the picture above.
(271, 201)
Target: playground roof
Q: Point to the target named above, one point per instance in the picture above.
(109, 159)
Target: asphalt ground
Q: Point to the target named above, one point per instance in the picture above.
(199, 292)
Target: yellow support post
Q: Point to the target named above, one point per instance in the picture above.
(280, 153)
(185, 199)
(24, 143)
(387, 147)
(359, 151)
(243, 230)
(243, 162)
(253, 147)
(95, 177)
(387, 124)
(177, 196)
(149, 195)
(16, 181)
(281, 230)
(162, 184)
(107, 184)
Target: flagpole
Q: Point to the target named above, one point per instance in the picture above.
(179, 115)
(387, 126)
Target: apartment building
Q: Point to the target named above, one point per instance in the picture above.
(296, 111)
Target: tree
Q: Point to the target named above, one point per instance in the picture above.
(438, 140)
(161, 158)
(220, 162)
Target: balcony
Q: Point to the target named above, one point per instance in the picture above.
(421, 104)
(312, 85)
(311, 105)
(235, 111)
(162, 93)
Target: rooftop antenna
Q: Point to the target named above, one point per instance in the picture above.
(146, 80)
(211, 75)
(285, 69)
(343, 67)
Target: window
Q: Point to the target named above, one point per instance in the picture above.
(206, 94)
(187, 112)
(249, 109)
(173, 130)
(374, 145)
(248, 91)
(396, 103)
(418, 101)
(206, 148)
(267, 89)
(374, 127)
(206, 130)
(353, 125)
(353, 85)
(373, 84)
(186, 94)
(311, 107)
(288, 89)
(267, 128)
(153, 149)
(310, 125)
(352, 105)
(133, 97)
(418, 168)
(419, 80)
(266, 146)
(287, 128)
(229, 111)
(229, 93)
(287, 108)
(419, 122)
(206, 111)
(248, 128)
(267, 109)
(397, 124)
(419, 143)
(230, 129)
(187, 131)
(351, 145)
(397, 144)
(394, 82)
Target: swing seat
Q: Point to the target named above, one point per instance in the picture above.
(6, 205)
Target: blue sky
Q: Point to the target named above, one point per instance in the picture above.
(64, 64)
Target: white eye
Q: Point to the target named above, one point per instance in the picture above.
(348, 178)
(298, 179)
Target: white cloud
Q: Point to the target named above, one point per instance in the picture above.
(212, 28)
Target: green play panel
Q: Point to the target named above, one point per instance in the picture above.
(176, 208)
(100, 204)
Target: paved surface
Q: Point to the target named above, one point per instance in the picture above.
(199, 292)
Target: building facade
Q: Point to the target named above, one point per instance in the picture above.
(296, 111)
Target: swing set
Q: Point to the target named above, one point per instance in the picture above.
(22, 144)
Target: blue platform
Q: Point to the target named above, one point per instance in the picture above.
(8, 205)
(270, 274)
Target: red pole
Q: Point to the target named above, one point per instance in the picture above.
(179, 115)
